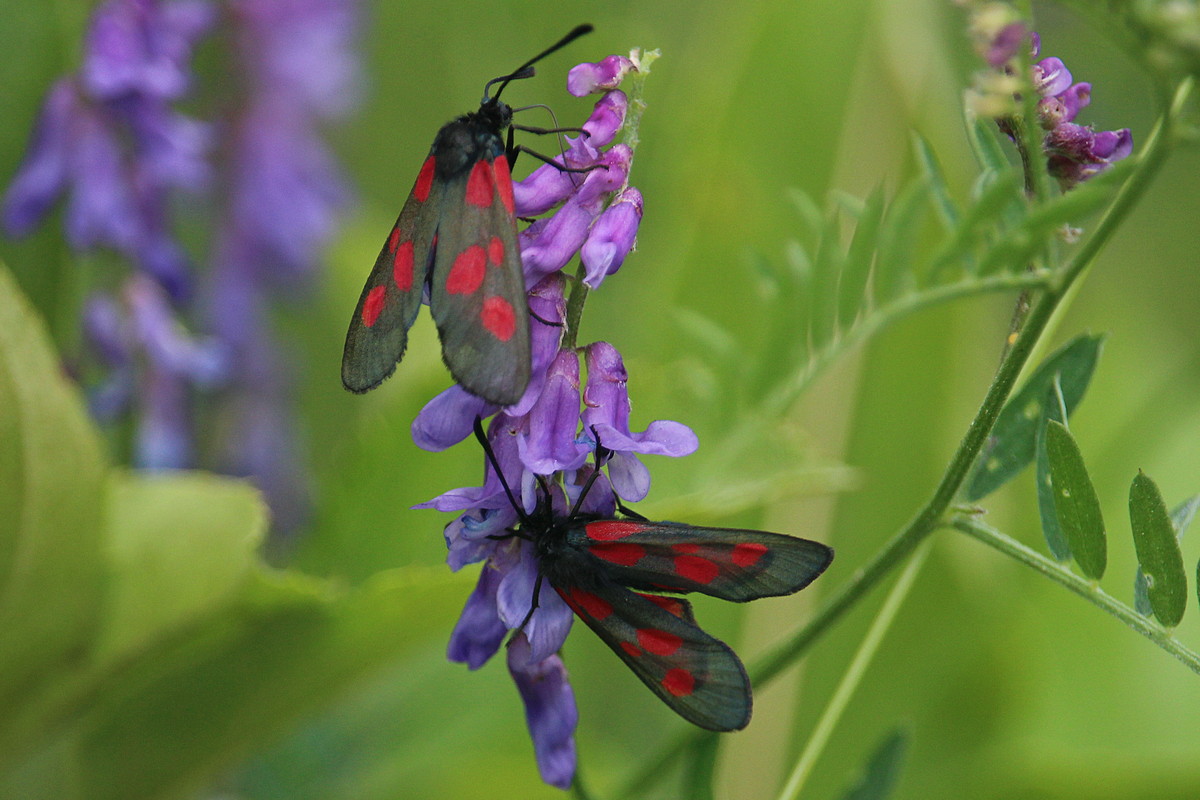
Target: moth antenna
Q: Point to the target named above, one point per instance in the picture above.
(491, 457)
(517, 73)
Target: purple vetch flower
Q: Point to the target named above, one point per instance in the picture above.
(154, 370)
(541, 451)
(286, 194)
(543, 444)
(1074, 152)
(612, 237)
(603, 76)
(109, 139)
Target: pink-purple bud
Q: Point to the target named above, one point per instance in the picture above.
(607, 74)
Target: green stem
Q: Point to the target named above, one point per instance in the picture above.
(853, 676)
(1086, 589)
(933, 514)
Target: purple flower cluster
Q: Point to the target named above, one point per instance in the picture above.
(110, 140)
(1074, 152)
(546, 439)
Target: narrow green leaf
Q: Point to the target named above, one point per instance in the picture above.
(1181, 517)
(936, 181)
(882, 772)
(826, 270)
(859, 257)
(987, 144)
(1056, 540)
(1157, 551)
(1074, 206)
(897, 241)
(1000, 194)
(809, 210)
(1075, 502)
(52, 476)
(1014, 438)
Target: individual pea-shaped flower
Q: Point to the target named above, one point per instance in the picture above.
(550, 710)
(606, 415)
(611, 238)
(602, 76)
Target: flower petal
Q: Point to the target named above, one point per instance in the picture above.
(550, 711)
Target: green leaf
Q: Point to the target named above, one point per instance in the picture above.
(1055, 539)
(52, 475)
(1181, 517)
(826, 271)
(882, 772)
(1014, 438)
(986, 142)
(1157, 550)
(936, 181)
(1075, 502)
(898, 240)
(182, 715)
(180, 545)
(1000, 193)
(1073, 206)
(853, 285)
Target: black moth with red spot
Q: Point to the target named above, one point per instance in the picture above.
(457, 234)
(613, 573)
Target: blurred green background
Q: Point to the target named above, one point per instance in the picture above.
(1010, 687)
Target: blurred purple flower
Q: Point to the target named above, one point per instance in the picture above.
(285, 196)
(110, 140)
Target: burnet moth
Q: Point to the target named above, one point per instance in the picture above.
(456, 235)
(621, 577)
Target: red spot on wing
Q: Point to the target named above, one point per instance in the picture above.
(679, 682)
(593, 605)
(660, 643)
(393, 238)
(424, 180)
(671, 605)
(607, 530)
(625, 554)
(697, 569)
(685, 548)
(499, 318)
(632, 649)
(747, 554)
(479, 185)
(373, 305)
(504, 184)
(402, 266)
(466, 275)
(495, 251)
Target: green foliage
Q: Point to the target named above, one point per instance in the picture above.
(1055, 539)
(881, 774)
(1014, 438)
(1075, 502)
(1160, 563)
(146, 646)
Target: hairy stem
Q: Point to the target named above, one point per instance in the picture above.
(1086, 589)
